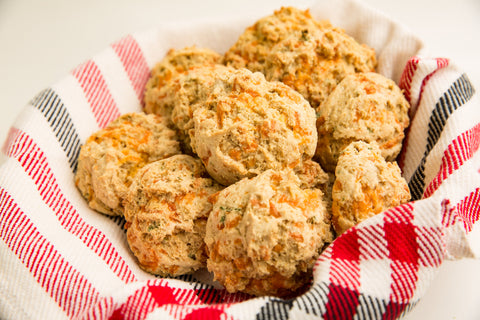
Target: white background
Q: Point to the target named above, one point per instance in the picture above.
(42, 41)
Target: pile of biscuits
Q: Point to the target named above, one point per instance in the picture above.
(250, 163)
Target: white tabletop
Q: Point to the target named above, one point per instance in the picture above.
(41, 41)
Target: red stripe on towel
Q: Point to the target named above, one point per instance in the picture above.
(36, 165)
(134, 62)
(469, 209)
(96, 91)
(66, 285)
(457, 153)
(406, 79)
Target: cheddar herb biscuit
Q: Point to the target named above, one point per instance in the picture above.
(166, 210)
(248, 125)
(158, 91)
(110, 158)
(264, 234)
(365, 185)
(364, 106)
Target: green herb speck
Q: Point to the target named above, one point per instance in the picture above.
(154, 225)
(305, 35)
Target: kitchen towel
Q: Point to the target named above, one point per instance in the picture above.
(61, 260)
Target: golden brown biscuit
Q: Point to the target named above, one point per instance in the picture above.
(364, 106)
(248, 125)
(158, 91)
(310, 56)
(190, 91)
(110, 158)
(264, 234)
(166, 210)
(365, 185)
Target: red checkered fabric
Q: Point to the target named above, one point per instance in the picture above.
(61, 260)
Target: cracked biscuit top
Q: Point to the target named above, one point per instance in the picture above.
(308, 55)
(365, 185)
(247, 125)
(111, 157)
(364, 106)
(264, 234)
(166, 210)
(158, 92)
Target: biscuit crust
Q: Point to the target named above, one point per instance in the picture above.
(248, 125)
(191, 91)
(158, 92)
(166, 210)
(365, 185)
(111, 157)
(264, 234)
(308, 55)
(364, 106)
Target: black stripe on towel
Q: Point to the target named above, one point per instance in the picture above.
(370, 307)
(457, 95)
(52, 107)
(275, 309)
(314, 301)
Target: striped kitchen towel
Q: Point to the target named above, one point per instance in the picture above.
(61, 260)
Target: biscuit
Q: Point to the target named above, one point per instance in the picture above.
(110, 158)
(364, 106)
(248, 125)
(310, 56)
(264, 234)
(166, 210)
(159, 98)
(365, 185)
(190, 91)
